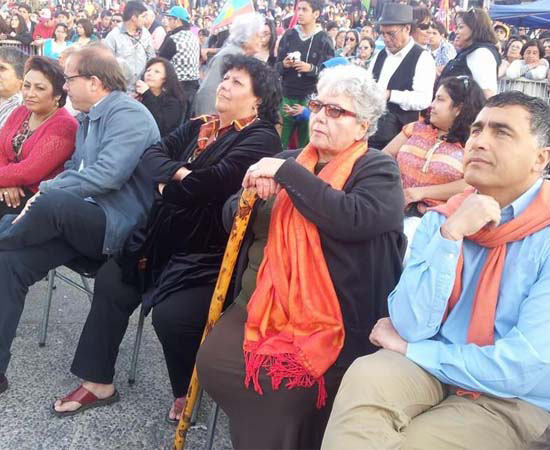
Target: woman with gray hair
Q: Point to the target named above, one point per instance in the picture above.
(244, 38)
(321, 255)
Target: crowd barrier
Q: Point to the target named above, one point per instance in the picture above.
(29, 49)
(539, 89)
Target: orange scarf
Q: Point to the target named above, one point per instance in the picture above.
(294, 328)
(482, 321)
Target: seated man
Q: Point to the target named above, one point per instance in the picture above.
(466, 356)
(90, 208)
(12, 65)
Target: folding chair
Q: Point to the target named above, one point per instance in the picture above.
(87, 270)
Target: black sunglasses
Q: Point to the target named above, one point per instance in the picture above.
(423, 26)
(333, 111)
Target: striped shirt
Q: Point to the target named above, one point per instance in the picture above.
(7, 106)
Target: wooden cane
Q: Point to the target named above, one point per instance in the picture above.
(246, 203)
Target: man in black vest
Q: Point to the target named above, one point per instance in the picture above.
(404, 70)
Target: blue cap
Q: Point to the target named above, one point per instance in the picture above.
(336, 61)
(179, 12)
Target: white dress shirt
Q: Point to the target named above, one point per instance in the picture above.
(423, 82)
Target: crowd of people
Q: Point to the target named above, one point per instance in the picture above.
(392, 287)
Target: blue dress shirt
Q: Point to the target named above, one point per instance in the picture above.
(518, 363)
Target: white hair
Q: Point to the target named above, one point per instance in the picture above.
(368, 99)
(244, 27)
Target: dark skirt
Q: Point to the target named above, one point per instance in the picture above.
(281, 419)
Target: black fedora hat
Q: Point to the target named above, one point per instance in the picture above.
(396, 14)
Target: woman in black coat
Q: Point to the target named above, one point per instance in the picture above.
(173, 262)
(160, 92)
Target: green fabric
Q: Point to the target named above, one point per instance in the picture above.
(260, 228)
(289, 123)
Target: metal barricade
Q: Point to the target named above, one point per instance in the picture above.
(31, 49)
(540, 89)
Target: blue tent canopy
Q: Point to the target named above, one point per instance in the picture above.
(532, 15)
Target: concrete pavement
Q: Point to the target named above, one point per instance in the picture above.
(40, 375)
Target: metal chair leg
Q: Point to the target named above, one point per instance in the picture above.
(137, 345)
(47, 306)
(86, 284)
(212, 419)
(197, 408)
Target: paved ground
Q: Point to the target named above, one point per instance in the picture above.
(40, 375)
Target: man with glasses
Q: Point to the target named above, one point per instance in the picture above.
(89, 209)
(132, 42)
(404, 70)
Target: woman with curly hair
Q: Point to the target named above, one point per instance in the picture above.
(430, 153)
(171, 264)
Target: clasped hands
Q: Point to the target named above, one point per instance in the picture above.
(261, 176)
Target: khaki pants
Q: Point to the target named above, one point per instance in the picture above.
(385, 401)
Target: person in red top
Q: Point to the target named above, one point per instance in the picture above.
(45, 27)
(37, 138)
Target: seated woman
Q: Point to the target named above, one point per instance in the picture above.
(174, 261)
(351, 42)
(333, 254)
(84, 33)
(364, 53)
(19, 31)
(38, 136)
(532, 64)
(244, 38)
(512, 52)
(430, 152)
(55, 46)
(160, 91)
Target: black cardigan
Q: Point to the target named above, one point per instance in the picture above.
(185, 226)
(167, 110)
(361, 231)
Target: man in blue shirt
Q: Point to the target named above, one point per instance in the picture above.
(435, 385)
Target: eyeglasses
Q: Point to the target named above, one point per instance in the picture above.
(423, 26)
(350, 39)
(333, 111)
(116, 20)
(363, 47)
(72, 77)
(390, 34)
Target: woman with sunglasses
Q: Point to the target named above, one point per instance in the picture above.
(419, 30)
(350, 45)
(321, 255)
(478, 56)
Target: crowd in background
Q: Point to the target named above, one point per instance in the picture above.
(126, 133)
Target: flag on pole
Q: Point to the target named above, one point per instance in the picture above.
(230, 10)
(366, 5)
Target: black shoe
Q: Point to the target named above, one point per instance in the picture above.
(3, 383)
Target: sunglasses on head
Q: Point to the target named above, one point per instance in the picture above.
(333, 111)
(465, 80)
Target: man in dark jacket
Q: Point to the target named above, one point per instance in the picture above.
(302, 50)
(89, 209)
(182, 48)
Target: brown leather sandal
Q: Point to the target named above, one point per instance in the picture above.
(86, 399)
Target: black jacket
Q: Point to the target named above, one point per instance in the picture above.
(184, 239)
(361, 231)
(167, 110)
(315, 50)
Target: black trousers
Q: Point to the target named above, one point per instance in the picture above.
(178, 321)
(278, 419)
(58, 227)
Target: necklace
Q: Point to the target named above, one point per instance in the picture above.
(33, 127)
